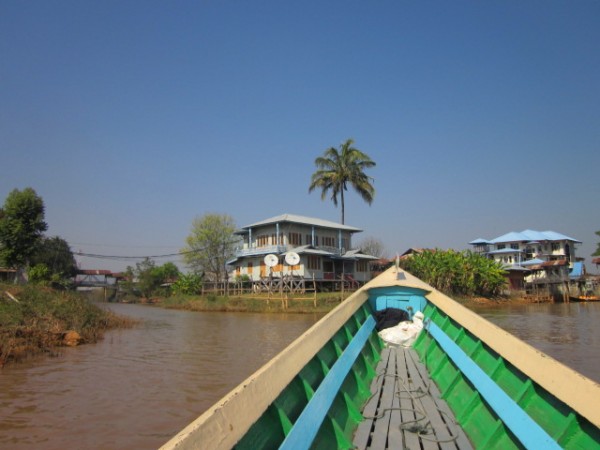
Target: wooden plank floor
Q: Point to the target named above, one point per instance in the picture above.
(406, 411)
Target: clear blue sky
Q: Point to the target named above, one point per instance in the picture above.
(130, 118)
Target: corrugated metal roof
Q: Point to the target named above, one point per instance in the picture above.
(532, 262)
(505, 250)
(532, 235)
(306, 249)
(479, 241)
(293, 218)
(94, 272)
(576, 271)
(358, 255)
(555, 263)
(515, 268)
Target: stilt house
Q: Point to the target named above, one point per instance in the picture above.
(324, 251)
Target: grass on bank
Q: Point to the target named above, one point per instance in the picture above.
(40, 318)
(325, 302)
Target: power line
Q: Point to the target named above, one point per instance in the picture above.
(121, 257)
(90, 244)
(168, 255)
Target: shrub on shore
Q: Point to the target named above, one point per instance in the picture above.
(35, 320)
(252, 303)
(457, 273)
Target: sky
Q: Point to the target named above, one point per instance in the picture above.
(130, 118)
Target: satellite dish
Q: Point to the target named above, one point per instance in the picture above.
(292, 258)
(271, 260)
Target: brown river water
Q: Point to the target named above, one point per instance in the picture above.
(138, 387)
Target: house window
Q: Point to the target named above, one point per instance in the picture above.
(262, 241)
(514, 246)
(362, 266)
(313, 262)
(328, 241)
(249, 269)
(555, 246)
(500, 246)
(308, 239)
(327, 266)
(294, 239)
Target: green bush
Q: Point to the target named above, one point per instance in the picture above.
(458, 273)
(187, 284)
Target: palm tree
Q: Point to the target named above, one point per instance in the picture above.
(338, 169)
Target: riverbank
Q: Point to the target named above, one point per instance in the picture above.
(299, 304)
(322, 303)
(37, 320)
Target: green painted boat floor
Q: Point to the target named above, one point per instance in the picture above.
(405, 410)
(479, 421)
(344, 415)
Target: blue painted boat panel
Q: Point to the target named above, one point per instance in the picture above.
(514, 417)
(307, 425)
(408, 299)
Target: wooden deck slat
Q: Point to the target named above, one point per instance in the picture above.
(431, 407)
(395, 436)
(363, 433)
(382, 424)
(407, 413)
(462, 442)
(407, 389)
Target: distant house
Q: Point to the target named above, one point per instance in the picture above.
(533, 259)
(7, 274)
(324, 249)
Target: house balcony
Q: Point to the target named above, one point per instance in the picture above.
(264, 250)
(548, 279)
(279, 249)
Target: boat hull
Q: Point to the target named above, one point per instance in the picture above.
(504, 393)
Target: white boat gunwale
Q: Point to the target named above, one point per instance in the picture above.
(215, 428)
(251, 398)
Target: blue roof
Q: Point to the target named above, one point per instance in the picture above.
(515, 268)
(479, 241)
(576, 271)
(293, 218)
(532, 262)
(532, 235)
(505, 250)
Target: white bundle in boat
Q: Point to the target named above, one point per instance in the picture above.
(405, 333)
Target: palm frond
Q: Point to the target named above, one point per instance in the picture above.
(336, 169)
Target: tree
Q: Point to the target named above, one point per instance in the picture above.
(56, 255)
(168, 272)
(149, 277)
(210, 245)
(21, 227)
(187, 284)
(338, 169)
(372, 246)
(597, 252)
